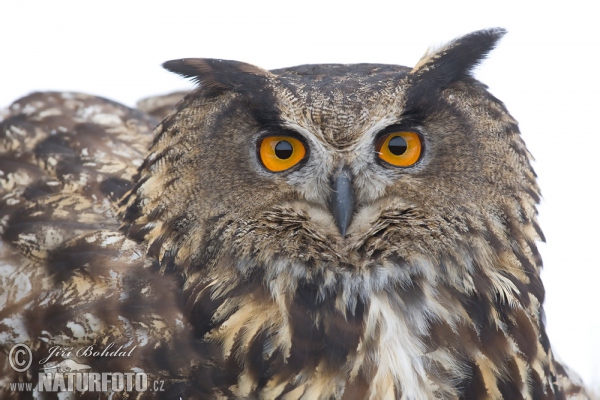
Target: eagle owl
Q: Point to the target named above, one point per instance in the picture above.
(317, 232)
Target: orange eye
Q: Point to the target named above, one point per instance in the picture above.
(279, 153)
(400, 149)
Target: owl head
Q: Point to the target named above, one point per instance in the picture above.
(340, 170)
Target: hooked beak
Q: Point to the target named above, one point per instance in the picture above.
(341, 202)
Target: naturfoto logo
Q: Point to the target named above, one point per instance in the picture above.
(68, 375)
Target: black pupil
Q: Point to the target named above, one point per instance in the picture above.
(284, 149)
(397, 145)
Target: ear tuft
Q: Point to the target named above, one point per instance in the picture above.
(456, 60)
(218, 74)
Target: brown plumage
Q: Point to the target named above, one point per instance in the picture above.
(342, 276)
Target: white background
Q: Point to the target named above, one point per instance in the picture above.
(545, 70)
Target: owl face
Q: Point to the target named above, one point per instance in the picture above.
(339, 171)
(327, 165)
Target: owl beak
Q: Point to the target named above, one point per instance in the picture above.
(341, 202)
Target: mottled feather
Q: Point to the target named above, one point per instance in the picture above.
(228, 281)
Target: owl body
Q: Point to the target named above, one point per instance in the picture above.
(323, 231)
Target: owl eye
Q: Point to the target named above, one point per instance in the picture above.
(400, 149)
(279, 153)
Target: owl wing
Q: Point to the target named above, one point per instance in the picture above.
(69, 279)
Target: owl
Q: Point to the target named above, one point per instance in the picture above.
(323, 232)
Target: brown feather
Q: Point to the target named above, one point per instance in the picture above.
(226, 280)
